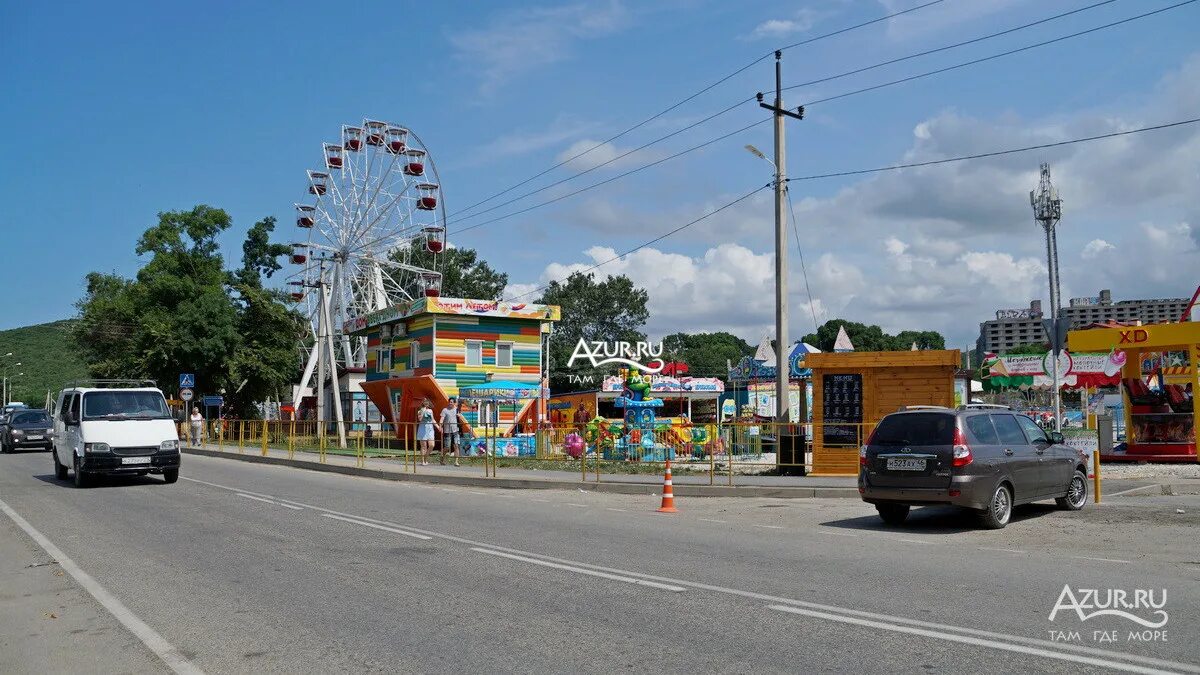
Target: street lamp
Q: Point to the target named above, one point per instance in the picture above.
(18, 363)
(6, 379)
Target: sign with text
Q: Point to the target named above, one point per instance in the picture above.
(842, 406)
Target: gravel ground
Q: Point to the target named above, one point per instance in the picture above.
(1121, 470)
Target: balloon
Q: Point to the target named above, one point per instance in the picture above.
(573, 444)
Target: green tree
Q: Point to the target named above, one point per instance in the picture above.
(706, 354)
(464, 275)
(612, 310)
(871, 338)
(1033, 348)
(184, 312)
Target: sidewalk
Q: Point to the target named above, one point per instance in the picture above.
(684, 483)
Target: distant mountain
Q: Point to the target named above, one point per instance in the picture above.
(47, 357)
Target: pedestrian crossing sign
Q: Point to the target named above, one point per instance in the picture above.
(187, 380)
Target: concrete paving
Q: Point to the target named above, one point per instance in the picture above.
(249, 567)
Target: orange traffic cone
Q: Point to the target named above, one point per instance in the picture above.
(668, 502)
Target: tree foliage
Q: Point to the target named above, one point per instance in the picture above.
(612, 310)
(706, 354)
(185, 313)
(464, 275)
(871, 338)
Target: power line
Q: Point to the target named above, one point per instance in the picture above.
(655, 240)
(702, 91)
(893, 167)
(763, 121)
(803, 269)
(997, 153)
(956, 45)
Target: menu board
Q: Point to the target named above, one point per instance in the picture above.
(841, 401)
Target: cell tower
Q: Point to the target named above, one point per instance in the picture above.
(1047, 210)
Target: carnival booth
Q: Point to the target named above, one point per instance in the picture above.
(1161, 416)
(487, 401)
(853, 391)
(756, 376)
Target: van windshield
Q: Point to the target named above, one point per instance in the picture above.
(124, 405)
(915, 429)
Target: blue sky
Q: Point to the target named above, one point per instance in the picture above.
(117, 111)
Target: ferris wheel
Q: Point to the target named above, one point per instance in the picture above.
(376, 202)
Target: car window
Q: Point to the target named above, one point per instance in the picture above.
(1008, 430)
(30, 418)
(982, 431)
(915, 429)
(1032, 430)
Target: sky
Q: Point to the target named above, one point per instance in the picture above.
(114, 112)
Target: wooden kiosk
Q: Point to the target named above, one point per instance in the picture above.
(852, 391)
(1160, 425)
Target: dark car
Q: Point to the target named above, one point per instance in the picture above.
(27, 428)
(984, 458)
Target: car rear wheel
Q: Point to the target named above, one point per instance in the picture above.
(999, 509)
(60, 471)
(892, 514)
(170, 475)
(1077, 493)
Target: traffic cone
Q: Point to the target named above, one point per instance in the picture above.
(668, 502)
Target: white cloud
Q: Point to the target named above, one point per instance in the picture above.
(941, 18)
(587, 154)
(799, 22)
(520, 40)
(1096, 247)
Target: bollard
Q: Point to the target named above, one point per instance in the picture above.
(241, 435)
(1096, 475)
(264, 437)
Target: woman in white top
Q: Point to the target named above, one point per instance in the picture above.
(425, 427)
(197, 425)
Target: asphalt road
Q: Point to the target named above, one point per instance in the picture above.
(242, 567)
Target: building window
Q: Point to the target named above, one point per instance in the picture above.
(414, 354)
(504, 351)
(474, 356)
(385, 358)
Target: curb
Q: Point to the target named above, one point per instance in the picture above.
(544, 484)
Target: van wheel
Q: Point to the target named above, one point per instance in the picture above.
(170, 475)
(1077, 493)
(60, 471)
(892, 514)
(82, 478)
(999, 509)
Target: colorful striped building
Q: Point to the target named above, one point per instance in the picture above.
(432, 346)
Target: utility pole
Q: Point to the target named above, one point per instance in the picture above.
(782, 370)
(1047, 210)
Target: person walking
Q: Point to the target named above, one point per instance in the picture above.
(425, 428)
(197, 425)
(450, 431)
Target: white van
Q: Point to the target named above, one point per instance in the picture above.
(114, 427)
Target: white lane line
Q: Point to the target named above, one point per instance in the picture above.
(544, 501)
(838, 534)
(473, 492)
(1136, 489)
(914, 541)
(268, 501)
(171, 656)
(414, 535)
(580, 570)
(964, 639)
(612, 509)
(712, 520)
(1103, 653)
(1084, 557)
(449, 490)
(582, 506)
(771, 527)
(1004, 550)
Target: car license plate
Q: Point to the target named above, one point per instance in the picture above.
(34, 438)
(905, 464)
(135, 460)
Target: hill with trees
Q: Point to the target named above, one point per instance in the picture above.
(48, 357)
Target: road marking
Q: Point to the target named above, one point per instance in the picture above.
(914, 541)
(1084, 557)
(582, 506)
(1005, 550)
(712, 520)
(964, 639)
(171, 656)
(580, 570)
(1136, 489)
(838, 534)
(772, 527)
(1060, 646)
(414, 535)
(612, 509)
(268, 501)
(449, 490)
(544, 501)
(473, 492)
